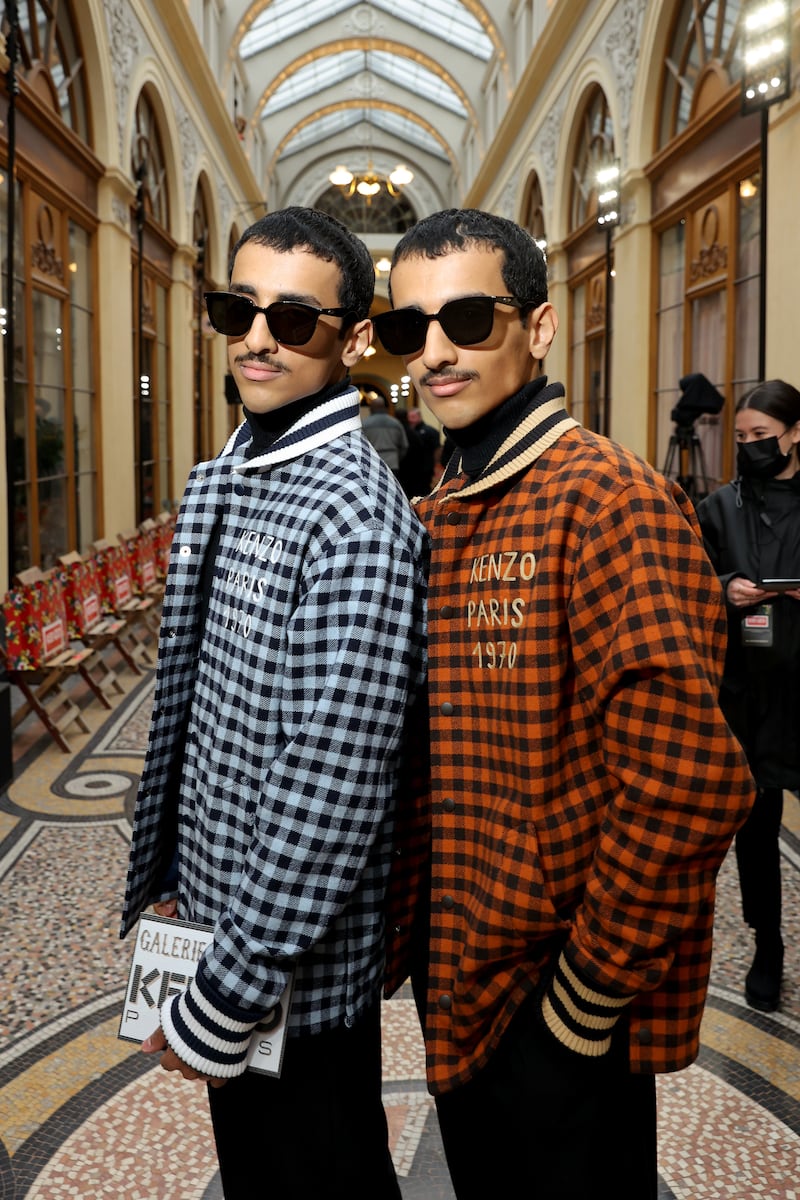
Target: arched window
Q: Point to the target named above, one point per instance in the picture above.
(51, 62)
(382, 213)
(52, 378)
(532, 214)
(595, 150)
(147, 157)
(590, 260)
(701, 62)
(152, 257)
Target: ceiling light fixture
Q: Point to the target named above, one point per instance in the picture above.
(368, 183)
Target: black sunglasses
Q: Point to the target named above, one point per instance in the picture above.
(465, 321)
(289, 321)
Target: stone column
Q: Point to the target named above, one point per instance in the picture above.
(631, 319)
(115, 323)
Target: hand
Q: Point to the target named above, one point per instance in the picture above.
(742, 593)
(157, 1044)
(166, 908)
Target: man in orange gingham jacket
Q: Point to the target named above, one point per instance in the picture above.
(553, 894)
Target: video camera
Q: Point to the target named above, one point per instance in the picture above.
(699, 397)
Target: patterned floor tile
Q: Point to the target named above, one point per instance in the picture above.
(85, 1115)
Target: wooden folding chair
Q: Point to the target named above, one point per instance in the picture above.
(39, 658)
(141, 551)
(119, 599)
(154, 534)
(165, 528)
(86, 621)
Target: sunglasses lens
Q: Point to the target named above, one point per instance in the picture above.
(402, 331)
(231, 315)
(292, 324)
(466, 322)
(469, 321)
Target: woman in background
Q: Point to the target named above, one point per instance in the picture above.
(751, 529)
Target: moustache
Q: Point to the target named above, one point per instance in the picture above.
(262, 360)
(447, 373)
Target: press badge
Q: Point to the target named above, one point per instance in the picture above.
(757, 627)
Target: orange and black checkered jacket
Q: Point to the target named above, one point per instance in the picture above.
(584, 784)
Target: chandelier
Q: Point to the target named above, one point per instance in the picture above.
(369, 183)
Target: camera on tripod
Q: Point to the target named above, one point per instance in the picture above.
(698, 397)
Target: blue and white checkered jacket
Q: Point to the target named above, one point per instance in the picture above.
(277, 729)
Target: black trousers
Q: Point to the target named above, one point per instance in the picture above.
(759, 861)
(537, 1123)
(317, 1132)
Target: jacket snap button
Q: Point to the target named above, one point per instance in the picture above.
(447, 901)
(446, 610)
(447, 709)
(645, 1035)
(184, 551)
(448, 804)
(445, 1001)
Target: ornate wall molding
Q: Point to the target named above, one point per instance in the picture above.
(507, 206)
(127, 42)
(189, 143)
(121, 213)
(545, 143)
(621, 42)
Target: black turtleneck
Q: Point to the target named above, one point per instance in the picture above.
(480, 441)
(267, 427)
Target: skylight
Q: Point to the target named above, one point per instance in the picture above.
(315, 77)
(284, 18)
(337, 122)
(335, 68)
(450, 20)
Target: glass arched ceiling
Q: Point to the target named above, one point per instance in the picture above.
(448, 19)
(293, 63)
(340, 120)
(334, 68)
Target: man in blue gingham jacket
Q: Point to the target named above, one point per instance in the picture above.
(291, 648)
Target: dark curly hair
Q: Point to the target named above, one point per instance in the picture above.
(524, 266)
(323, 236)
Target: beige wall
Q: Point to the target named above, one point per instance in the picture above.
(783, 244)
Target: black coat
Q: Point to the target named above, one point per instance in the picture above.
(752, 528)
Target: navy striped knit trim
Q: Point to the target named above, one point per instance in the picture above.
(203, 1037)
(335, 416)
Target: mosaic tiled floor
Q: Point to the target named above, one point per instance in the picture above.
(83, 1114)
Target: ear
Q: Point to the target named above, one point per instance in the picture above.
(356, 341)
(794, 432)
(542, 328)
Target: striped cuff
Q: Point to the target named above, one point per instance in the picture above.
(578, 1017)
(204, 1037)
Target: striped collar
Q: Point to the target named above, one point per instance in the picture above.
(320, 425)
(542, 425)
